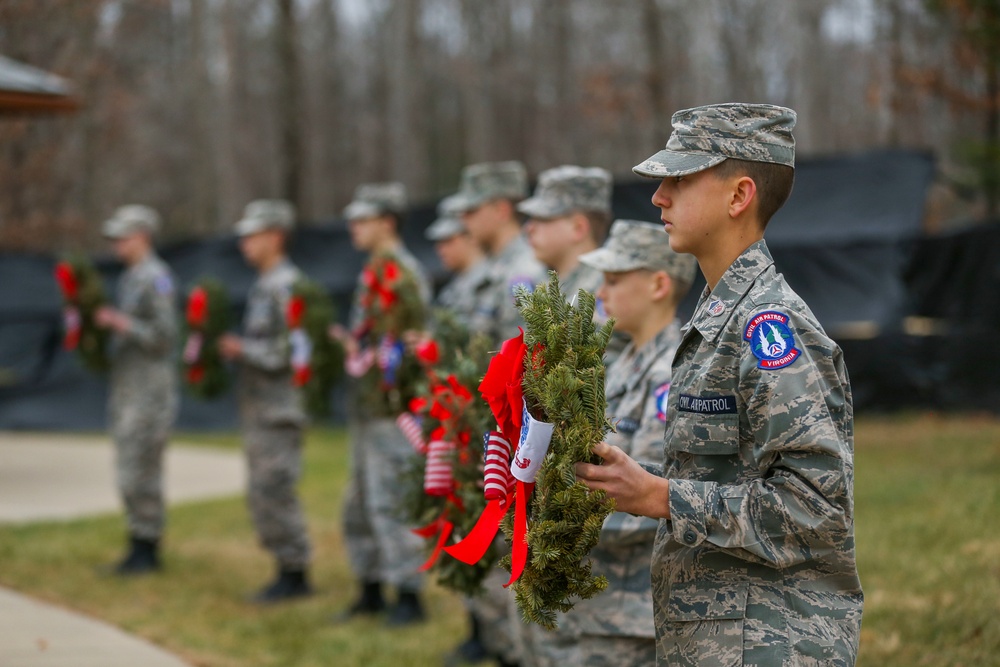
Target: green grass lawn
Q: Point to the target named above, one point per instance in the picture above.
(927, 492)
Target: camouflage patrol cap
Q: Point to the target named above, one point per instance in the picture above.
(263, 214)
(563, 190)
(487, 181)
(374, 199)
(705, 136)
(447, 224)
(129, 220)
(636, 245)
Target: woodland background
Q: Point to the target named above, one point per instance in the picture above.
(197, 106)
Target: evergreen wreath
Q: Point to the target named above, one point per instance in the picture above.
(391, 305)
(563, 384)
(207, 316)
(317, 360)
(448, 411)
(83, 294)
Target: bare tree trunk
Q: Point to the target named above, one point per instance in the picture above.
(476, 90)
(289, 105)
(651, 18)
(405, 104)
(204, 208)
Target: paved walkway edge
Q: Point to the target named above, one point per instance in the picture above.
(38, 634)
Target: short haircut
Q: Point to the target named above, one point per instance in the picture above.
(600, 223)
(773, 181)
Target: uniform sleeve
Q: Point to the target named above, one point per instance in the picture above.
(153, 327)
(797, 505)
(266, 348)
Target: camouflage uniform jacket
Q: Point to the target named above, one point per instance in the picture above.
(142, 357)
(459, 295)
(637, 387)
(756, 564)
(496, 315)
(267, 395)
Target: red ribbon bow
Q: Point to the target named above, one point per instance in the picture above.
(296, 310)
(68, 284)
(197, 308)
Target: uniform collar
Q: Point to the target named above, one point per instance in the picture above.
(517, 246)
(635, 364)
(276, 270)
(715, 309)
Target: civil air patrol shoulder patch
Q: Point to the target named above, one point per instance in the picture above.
(521, 281)
(163, 284)
(662, 395)
(771, 340)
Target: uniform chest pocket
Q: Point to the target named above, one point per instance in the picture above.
(259, 316)
(705, 434)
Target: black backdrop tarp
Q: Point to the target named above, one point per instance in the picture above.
(848, 240)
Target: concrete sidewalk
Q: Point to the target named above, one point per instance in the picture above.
(35, 634)
(46, 477)
(52, 477)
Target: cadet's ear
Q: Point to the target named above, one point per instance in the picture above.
(742, 195)
(581, 226)
(662, 286)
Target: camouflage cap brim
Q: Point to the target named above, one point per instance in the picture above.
(115, 229)
(444, 228)
(250, 226)
(669, 163)
(542, 208)
(606, 259)
(358, 210)
(463, 202)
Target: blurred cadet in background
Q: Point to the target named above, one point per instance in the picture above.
(143, 384)
(381, 547)
(272, 416)
(486, 203)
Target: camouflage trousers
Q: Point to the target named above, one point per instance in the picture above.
(140, 432)
(380, 545)
(555, 650)
(492, 610)
(274, 461)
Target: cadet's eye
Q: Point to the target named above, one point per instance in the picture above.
(678, 179)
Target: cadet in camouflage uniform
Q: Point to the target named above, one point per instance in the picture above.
(461, 255)
(381, 547)
(643, 282)
(568, 216)
(271, 409)
(143, 383)
(486, 203)
(754, 557)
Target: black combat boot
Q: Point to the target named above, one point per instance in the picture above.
(143, 557)
(369, 603)
(406, 611)
(290, 583)
(472, 649)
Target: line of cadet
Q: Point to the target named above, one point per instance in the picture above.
(639, 280)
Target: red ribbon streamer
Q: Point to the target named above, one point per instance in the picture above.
(519, 549)
(440, 526)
